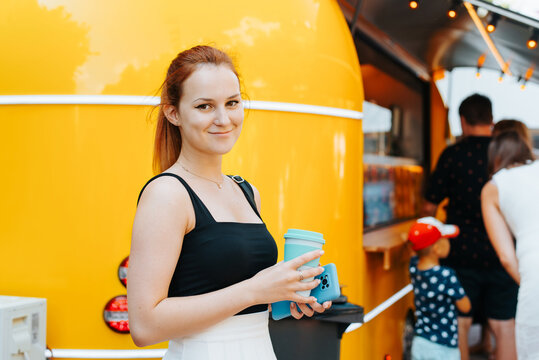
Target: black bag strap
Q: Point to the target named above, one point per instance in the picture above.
(247, 190)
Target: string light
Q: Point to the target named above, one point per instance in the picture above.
(413, 4)
(488, 40)
(500, 79)
(480, 62)
(452, 12)
(532, 42)
(493, 23)
(527, 77)
(529, 73)
(524, 81)
(505, 69)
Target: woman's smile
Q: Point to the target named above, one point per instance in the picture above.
(221, 132)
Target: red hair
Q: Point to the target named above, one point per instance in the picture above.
(168, 140)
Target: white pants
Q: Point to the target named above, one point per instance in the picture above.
(527, 337)
(241, 337)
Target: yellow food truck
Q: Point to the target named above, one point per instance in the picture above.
(79, 82)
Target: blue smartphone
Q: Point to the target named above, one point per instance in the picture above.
(327, 290)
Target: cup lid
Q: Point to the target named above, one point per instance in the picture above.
(305, 235)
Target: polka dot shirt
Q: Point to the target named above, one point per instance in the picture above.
(460, 174)
(435, 293)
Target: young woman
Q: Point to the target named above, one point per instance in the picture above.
(202, 263)
(510, 204)
(512, 125)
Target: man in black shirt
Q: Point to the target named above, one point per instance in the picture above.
(460, 174)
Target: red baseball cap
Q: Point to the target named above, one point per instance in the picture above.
(426, 231)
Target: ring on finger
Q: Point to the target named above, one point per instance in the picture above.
(300, 275)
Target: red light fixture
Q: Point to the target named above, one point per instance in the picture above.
(115, 314)
(122, 271)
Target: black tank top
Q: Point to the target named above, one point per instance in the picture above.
(215, 254)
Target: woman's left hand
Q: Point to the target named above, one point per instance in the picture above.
(308, 310)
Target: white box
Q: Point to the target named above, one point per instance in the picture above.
(23, 323)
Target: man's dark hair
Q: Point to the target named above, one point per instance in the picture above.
(476, 109)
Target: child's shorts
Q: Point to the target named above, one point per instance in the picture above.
(423, 349)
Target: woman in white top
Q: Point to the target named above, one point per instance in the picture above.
(510, 205)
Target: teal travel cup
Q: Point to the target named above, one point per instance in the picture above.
(298, 242)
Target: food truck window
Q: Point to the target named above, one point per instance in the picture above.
(392, 185)
(394, 128)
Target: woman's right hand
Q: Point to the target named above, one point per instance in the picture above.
(282, 280)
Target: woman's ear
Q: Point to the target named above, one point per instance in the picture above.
(172, 115)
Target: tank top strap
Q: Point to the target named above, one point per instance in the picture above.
(247, 190)
(202, 214)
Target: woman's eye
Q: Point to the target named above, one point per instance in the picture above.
(203, 106)
(233, 103)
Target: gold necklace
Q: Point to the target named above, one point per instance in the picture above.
(219, 184)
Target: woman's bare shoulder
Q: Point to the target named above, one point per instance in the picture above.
(164, 191)
(489, 193)
(164, 204)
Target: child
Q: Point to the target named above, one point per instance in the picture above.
(436, 292)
